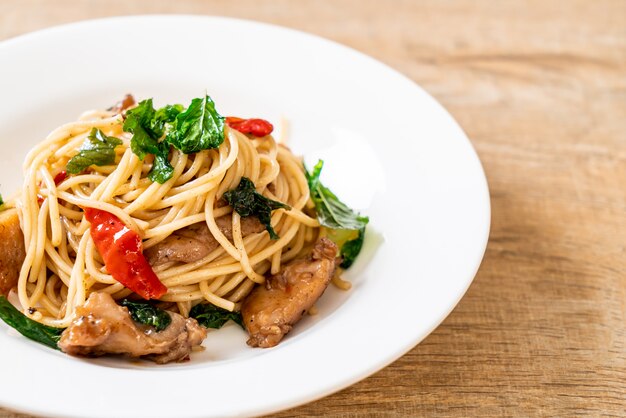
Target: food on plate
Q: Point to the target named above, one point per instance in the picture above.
(139, 227)
(270, 310)
(104, 327)
(12, 251)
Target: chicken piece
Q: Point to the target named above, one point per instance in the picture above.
(270, 311)
(103, 327)
(12, 252)
(195, 242)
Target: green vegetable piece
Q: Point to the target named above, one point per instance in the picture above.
(142, 117)
(164, 116)
(336, 215)
(147, 126)
(246, 201)
(1, 202)
(98, 149)
(210, 316)
(40, 333)
(142, 143)
(148, 314)
(331, 212)
(198, 128)
(351, 249)
(161, 170)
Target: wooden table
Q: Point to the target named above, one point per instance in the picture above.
(540, 88)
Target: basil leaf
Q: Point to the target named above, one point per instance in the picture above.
(147, 126)
(163, 116)
(138, 122)
(337, 216)
(246, 201)
(148, 314)
(331, 212)
(33, 330)
(198, 128)
(1, 201)
(351, 249)
(142, 143)
(142, 117)
(161, 170)
(210, 316)
(98, 149)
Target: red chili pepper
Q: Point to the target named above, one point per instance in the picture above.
(58, 179)
(254, 127)
(122, 252)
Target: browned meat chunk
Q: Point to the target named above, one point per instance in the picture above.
(270, 311)
(12, 252)
(123, 104)
(103, 327)
(195, 242)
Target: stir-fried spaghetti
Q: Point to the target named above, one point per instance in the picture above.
(62, 265)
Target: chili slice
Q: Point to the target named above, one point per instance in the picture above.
(255, 127)
(60, 177)
(122, 252)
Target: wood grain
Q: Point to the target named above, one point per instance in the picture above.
(540, 88)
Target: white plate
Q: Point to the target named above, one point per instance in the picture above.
(391, 151)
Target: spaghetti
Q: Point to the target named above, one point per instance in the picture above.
(63, 266)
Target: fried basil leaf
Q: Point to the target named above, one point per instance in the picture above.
(351, 249)
(161, 170)
(33, 330)
(147, 314)
(210, 316)
(246, 201)
(143, 116)
(331, 212)
(147, 126)
(198, 128)
(337, 216)
(98, 149)
(163, 116)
